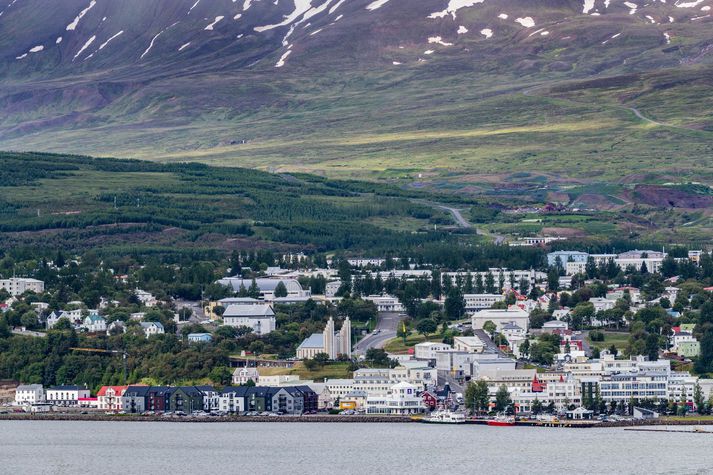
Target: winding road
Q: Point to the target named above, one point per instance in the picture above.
(386, 326)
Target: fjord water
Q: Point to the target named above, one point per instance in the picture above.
(48, 447)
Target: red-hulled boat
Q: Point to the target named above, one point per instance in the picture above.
(502, 421)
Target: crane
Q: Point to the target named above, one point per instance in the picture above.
(123, 353)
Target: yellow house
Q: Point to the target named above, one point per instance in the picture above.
(208, 310)
(353, 400)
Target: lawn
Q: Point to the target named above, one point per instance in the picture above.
(619, 340)
(397, 346)
(329, 371)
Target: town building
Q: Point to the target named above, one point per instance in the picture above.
(260, 318)
(243, 375)
(501, 318)
(29, 394)
(109, 398)
(94, 324)
(152, 328)
(469, 344)
(427, 350)
(67, 396)
(332, 343)
(402, 399)
(475, 302)
(386, 303)
(199, 337)
(266, 287)
(17, 286)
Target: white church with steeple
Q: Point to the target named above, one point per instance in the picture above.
(331, 342)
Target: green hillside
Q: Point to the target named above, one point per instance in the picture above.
(79, 203)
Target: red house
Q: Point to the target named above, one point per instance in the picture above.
(430, 400)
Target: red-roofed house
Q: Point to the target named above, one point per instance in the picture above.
(109, 397)
(537, 386)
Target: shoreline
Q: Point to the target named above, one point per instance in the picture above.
(335, 419)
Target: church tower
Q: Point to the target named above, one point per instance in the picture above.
(345, 340)
(329, 346)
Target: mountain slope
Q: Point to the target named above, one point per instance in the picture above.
(383, 89)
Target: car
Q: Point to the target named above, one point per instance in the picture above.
(180, 413)
(274, 414)
(264, 413)
(83, 412)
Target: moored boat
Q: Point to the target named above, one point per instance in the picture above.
(502, 421)
(445, 417)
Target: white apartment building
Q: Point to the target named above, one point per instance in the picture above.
(339, 388)
(375, 382)
(427, 350)
(475, 302)
(469, 344)
(17, 286)
(243, 375)
(261, 318)
(623, 387)
(66, 395)
(402, 399)
(29, 394)
(386, 303)
(501, 318)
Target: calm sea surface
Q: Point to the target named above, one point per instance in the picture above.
(38, 447)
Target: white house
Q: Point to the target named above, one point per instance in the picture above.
(29, 394)
(469, 344)
(66, 395)
(427, 350)
(501, 318)
(339, 387)
(267, 287)
(261, 318)
(475, 302)
(386, 303)
(402, 399)
(146, 298)
(243, 375)
(17, 286)
(94, 324)
(152, 328)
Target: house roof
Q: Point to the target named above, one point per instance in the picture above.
(117, 390)
(263, 310)
(315, 340)
(66, 388)
(265, 285)
(146, 325)
(29, 387)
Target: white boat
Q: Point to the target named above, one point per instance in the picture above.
(445, 417)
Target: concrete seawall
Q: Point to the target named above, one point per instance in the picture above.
(238, 419)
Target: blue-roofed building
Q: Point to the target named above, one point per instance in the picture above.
(565, 257)
(200, 337)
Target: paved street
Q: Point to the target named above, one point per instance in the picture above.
(385, 330)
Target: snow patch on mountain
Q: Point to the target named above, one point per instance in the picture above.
(439, 41)
(503, 16)
(217, 20)
(193, 6)
(184, 46)
(527, 22)
(693, 4)
(337, 5)
(86, 45)
(73, 26)
(453, 7)
(462, 30)
(487, 32)
(153, 40)
(376, 5)
(301, 7)
(283, 58)
(632, 7)
(5, 9)
(588, 6)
